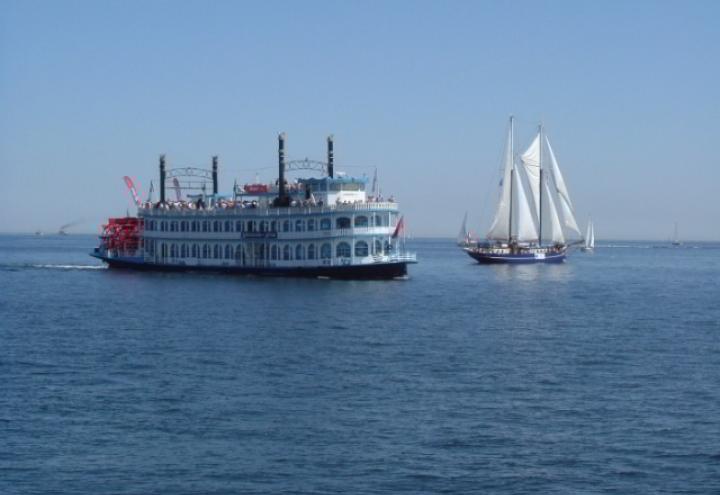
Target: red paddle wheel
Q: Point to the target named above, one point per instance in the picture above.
(122, 235)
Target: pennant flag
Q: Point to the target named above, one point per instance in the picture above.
(133, 191)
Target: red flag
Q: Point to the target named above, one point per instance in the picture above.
(133, 191)
(399, 227)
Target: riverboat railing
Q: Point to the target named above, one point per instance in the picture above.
(265, 211)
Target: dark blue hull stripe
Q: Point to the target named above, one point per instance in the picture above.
(377, 271)
(515, 258)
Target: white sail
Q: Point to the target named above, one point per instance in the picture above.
(500, 228)
(531, 164)
(590, 236)
(556, 230)
(524, 221)
(567, 214)
(463, 234)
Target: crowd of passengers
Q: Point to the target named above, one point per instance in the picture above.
(239, 204)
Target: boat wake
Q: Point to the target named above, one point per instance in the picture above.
(69, 267)
(28, 266)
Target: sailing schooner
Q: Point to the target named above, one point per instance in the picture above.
(534, 212)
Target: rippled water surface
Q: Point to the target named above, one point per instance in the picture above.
(601, 375)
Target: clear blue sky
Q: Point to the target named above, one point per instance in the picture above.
(629, 93)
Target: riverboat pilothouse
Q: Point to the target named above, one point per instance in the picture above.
(328, 226)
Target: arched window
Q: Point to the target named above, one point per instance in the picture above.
(273, 226)
(228, 226)
(299, 225)
(228, 252)
(343, 250)
(183, 251)
(163, 226)
(195, 251)
(206, 251)
(217, 253)
(194, 226)
(311, 225)
(379, 221)
(163, 250)
(325, 224)
(286, 252)
(326, 251)
(205, 225)
(239, 226)
(251, 226)
(286, 226)
(173, 251)
(216, 226)
(311, 252)
(184, 226)
(361, 221)
(264, 226)
(361, 249)
(342, 223)
(377, 249)
(239, 252)
(299, 252)
(274, 252)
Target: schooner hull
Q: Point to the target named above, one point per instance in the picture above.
(484, 257)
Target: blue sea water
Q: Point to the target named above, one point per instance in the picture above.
(600, 375)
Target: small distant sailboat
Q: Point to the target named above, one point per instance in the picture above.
(676, 238)
(534, 211)
(589, 238)
(464, 238)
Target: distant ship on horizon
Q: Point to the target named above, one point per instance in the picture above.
(589, 238)
(676, 238)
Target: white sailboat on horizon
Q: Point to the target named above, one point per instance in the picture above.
(464, 237)
(676, 238)
(589, 238)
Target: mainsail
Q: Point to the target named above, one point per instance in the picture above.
(524, 221)
(556, 231)
(500, 228)
(567, 214)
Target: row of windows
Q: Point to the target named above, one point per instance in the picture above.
(274, 252)
(299, 225)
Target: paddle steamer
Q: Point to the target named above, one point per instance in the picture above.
(327, 226)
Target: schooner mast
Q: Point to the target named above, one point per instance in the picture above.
(540, 184)
(512, 170)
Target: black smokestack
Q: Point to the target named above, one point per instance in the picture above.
(214, 174)
(281, 168)
(331, 157)
(162, 178)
